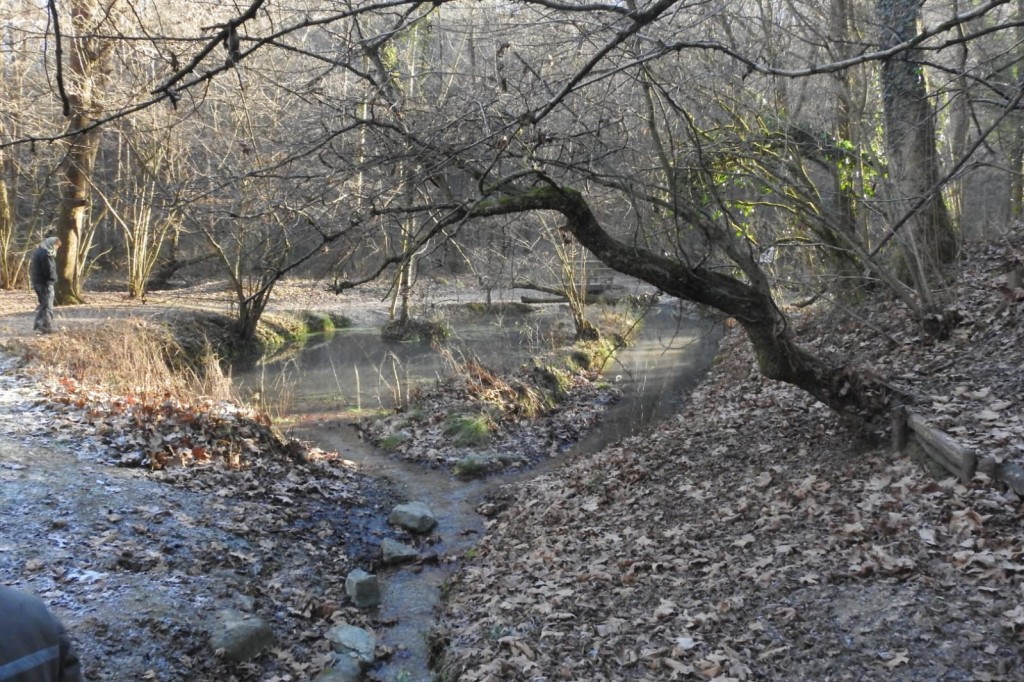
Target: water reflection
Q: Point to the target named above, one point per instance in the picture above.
(353, 369)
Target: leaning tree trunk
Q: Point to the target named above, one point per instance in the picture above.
(930, 242)
(778, 356)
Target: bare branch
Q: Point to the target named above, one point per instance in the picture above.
(59, 58)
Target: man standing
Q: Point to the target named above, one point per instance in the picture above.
(34, 646)
(42, 272)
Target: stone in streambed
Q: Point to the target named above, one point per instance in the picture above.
(394, 552)
(363, 588)
(356, 643)
(414, 517)
(344, 669)
(240, 636)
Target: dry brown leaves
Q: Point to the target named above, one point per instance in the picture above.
(754, 539)
(968, 385)
(279, 520)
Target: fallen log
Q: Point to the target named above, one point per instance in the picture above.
(951, 455)
(591, 289)
(590, 300)
(533, 300)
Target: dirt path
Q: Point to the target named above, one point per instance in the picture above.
(81, 534)
(138, 563)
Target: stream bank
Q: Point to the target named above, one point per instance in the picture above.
(652, 376)
(140, 563)
(749, 537)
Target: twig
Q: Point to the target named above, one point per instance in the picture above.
(64, 99)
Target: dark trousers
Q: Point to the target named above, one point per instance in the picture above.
(44, 312)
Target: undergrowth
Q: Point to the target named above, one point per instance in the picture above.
(129, 357)
(469, 430)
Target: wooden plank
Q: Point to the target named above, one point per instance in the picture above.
(958, 459)
(1012, 475)
(899, 428)
(938, 456)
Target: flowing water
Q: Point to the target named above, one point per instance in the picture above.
(354, 369)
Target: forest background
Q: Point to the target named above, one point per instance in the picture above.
(735, 154)
(754, 158)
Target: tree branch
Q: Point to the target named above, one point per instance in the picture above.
(59, 57)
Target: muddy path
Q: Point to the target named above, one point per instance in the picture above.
(138, 563)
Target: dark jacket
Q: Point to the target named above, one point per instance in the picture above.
(42, 269)
(34, 647)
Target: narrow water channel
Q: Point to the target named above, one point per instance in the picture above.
(354, 369)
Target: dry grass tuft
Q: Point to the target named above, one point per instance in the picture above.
(127, 357)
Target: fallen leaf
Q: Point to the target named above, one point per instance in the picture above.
(927, 535)
(898, 658)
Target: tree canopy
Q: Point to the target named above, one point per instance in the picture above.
(739, 155)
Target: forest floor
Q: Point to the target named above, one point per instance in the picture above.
(753, 536)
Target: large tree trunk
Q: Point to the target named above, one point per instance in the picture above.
(73, 211)
(929, 239)
(1016, 128)
(89, 52)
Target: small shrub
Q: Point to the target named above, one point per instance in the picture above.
(553, 381)
(415, 330)
(471, 466)
(578, 359)
(317, 322)
(340, 321)
(393, 441)
(528, 401)
(275, 330)
(620, 323)
(469, 430)
(591, 355)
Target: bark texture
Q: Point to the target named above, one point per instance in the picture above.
(89, 56)
(930, 241)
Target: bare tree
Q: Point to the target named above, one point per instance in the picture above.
(929, 242)
(678, 142)
(89, 51)
(10, 264)
(144, 221)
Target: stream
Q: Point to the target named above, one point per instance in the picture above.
(354, 370)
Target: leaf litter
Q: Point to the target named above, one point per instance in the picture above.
(749, 538)
(144, 516)
(754, 538)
